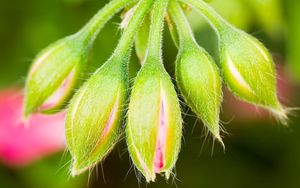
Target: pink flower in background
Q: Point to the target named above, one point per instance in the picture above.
(22, 143)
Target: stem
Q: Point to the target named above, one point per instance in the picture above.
(215, 20)
(93, 27)
(172, 29)
(156, 27)
(127, 38)
(182, 25)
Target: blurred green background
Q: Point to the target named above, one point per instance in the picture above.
(259, 152)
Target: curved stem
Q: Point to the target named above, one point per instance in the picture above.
(182, 25)
(126, 41)
(215, 20)
(93, 27)
(156, 27)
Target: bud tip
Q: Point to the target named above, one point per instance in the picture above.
(281, 113)
(76, 169)
(219, 139)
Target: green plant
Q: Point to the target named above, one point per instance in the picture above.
(154, 123)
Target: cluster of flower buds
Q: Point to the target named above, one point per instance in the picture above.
(96, 108)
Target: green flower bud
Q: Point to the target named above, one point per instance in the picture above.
(199, 81)
(154, 122)
(248, 70)
(197, 74)
(56, 71)
(94, 115)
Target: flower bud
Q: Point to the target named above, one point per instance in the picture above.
(94, 115)
(55, 73)
(154, 122)
(199, 81)
(248, 70)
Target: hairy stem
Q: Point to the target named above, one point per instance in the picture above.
(93, 27)
(182, 25)
(155, 34)
(127, 38)
(215, 20)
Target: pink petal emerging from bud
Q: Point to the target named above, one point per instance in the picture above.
(153, 129)
(59, 95)
(159, 156)
(24, 142)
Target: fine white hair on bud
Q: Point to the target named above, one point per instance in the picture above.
(94, 116)
(248, 70)
(154, 124)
